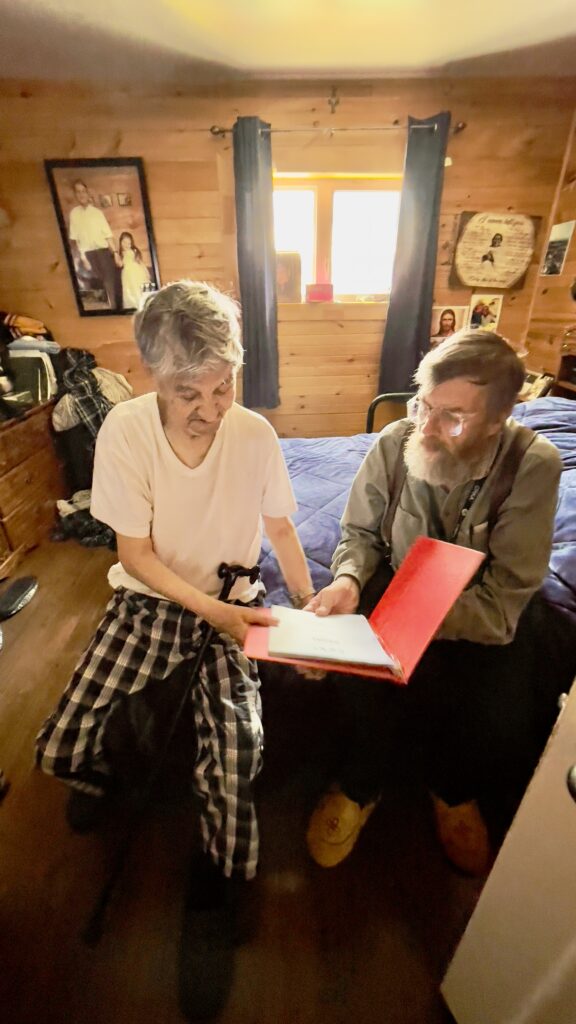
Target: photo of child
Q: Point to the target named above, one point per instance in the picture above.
(135, 275)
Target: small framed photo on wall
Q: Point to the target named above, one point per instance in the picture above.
(557, 248)
(104, 218)
(485, 311)
(446, 320)
(288, 277)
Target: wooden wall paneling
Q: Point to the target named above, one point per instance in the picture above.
(552, 309)
(508, 159)
(226, 185)
(342, 424)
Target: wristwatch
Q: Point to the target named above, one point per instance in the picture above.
(301, 600)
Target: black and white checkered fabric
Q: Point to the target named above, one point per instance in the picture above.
(90, 404)
(141, 639)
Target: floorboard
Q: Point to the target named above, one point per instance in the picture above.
(367, 942)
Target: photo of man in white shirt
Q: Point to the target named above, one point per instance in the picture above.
(93, 242)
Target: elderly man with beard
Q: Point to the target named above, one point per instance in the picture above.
(480, 704)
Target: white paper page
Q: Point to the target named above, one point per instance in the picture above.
(344, 638)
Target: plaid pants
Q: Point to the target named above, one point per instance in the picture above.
(144, 638)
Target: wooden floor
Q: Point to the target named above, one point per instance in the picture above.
(363, 943)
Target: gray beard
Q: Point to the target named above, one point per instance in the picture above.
(440, 468)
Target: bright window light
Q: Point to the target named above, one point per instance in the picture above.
(295, 227)
(364, 231)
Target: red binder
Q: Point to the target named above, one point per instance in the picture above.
(408, 615)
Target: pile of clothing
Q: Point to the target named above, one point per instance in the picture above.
(33, 369)
(76, 521)
(89, 392)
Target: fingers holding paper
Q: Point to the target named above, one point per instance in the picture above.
(339, 598)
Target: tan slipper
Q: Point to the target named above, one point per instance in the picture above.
(464, 836)
(334, 827)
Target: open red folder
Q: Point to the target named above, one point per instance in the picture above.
(407, 616)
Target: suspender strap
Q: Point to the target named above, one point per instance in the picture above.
(398, 479)
(509, 467)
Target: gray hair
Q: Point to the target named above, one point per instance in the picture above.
(188, 327)
(481, 357)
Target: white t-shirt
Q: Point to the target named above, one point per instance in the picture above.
(197, 518)
(89, 228)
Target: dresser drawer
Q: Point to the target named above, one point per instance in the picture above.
(31, 522)
(41, 472)
(20, 440)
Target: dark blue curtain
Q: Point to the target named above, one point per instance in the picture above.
(407, 332)
(256, 261)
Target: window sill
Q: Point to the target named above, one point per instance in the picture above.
(332, 310)
(339, 302)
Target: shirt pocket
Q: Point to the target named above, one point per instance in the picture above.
(406, 528)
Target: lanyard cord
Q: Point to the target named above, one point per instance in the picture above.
(470, 499)
(473, 494)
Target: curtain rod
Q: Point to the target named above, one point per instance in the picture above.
(220, 132)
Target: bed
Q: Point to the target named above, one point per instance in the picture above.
(322, 470)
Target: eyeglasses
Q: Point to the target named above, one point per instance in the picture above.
(452, 423)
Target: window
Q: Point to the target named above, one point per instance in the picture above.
(364, 230)
(295, 228)
(344, 230)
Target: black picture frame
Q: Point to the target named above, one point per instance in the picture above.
(110, 278)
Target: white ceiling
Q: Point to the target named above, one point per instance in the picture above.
(103, 38)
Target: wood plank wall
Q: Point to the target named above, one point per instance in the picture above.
(554, 309)
(508, 158)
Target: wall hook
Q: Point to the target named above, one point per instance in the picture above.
(333, 100)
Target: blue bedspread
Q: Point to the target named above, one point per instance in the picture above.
(322, 470)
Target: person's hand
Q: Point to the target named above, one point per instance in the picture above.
(234, 620)
(118, 259)
(339, 598)
(86, 263)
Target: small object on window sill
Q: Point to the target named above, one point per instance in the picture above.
(319, 293)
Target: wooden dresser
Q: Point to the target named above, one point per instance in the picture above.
(31, 479)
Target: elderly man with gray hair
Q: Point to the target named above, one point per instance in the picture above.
(479, 706)
(185, 477)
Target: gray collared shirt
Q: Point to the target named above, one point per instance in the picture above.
(517, 548)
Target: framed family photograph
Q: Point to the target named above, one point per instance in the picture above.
(557, 248)
(485, 311)
(104, 218)
(288, 277)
